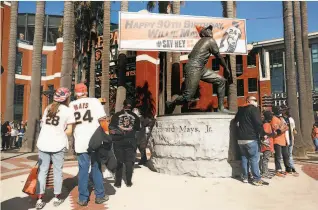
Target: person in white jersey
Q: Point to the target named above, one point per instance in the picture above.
(58, 120)
(89, 113)
(231, 35)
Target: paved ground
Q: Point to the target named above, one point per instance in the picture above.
(154, 191)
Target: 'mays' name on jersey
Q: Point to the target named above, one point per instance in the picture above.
(87, 112)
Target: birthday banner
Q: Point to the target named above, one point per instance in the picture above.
(178, 33)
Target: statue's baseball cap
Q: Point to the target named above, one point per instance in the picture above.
(200, 28)
(80, 89)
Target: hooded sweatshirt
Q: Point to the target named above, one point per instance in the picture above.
(249, 123)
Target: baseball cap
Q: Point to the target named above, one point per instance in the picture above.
(61, 94)
(128, 102)
(284, 107)
(80, 89)
(199, 28)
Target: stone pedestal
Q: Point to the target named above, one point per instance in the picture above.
(197, 145)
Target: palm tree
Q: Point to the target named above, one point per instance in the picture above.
(34, 104)
(68, 45)
(175, 75)
(291, 78)
(304, 29)
(106, 47)
(164, 8)
(93, 38)
(229, 10)
(122, 61)
(9, 113)
(305, 124)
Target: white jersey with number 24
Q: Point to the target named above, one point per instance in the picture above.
(87, 112)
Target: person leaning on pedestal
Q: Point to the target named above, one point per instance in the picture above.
(249, 128)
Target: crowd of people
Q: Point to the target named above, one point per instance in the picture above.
(98, 140)
(113, 142)
(266, 134)
(12, 134)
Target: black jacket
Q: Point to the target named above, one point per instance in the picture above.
(124, 119)
(249, 123)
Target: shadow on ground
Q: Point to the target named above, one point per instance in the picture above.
(18, 203)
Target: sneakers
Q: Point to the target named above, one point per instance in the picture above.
(57, 201)
(82, 203)
(102, 200)
(245, 180)
(39, 204)
(117, 183)
(280, 174)
(266, 176)
(260, 183)
(295, 173)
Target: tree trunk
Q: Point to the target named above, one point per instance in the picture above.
(34, 103)
(175, 75)
(68, 40)
(122, 61)
(106, 56)
(299, 147)
(75, 67)
(230, 12)
(304, 29)
(305, 124)
(163, 8)
(169, 75)
(9, 113)
(162, 57)
(92, 71)
(83, 74)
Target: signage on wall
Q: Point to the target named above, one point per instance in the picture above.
(162, 32)
(279, 99)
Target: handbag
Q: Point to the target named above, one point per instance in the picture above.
(31, 182)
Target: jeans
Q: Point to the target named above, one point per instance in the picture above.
(19, 142)
(250, 154)
(86, 160)
(279, 152)
(290, 154)
(316, 144)
(44, 164)
(264, 162)
(12, 141)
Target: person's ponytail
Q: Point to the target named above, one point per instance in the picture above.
(53, 109)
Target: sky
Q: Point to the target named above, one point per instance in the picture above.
(270, 26)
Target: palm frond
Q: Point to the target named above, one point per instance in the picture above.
(151, 5)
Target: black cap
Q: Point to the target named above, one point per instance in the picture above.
(128, 102)
(268, 115)
(276, 110)
(284, 107)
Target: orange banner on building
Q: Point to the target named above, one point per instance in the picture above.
(161, 32)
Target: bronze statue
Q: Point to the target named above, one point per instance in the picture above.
(195, 70)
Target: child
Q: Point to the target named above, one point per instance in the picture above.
(314, 135)
(267, 144)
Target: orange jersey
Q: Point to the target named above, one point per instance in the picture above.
(277, 123)
(268, 129)
(314, 133)
(104, 124)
